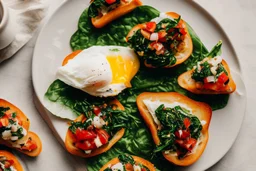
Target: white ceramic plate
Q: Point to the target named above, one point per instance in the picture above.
(53, 45)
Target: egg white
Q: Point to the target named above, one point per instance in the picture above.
(100, 70)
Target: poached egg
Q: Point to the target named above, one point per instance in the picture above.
(100, 70)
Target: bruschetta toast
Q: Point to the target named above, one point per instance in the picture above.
(162, 42)
(210, 76)
(131, 163)
(103, 12)
(32, 146)
(8, 162)
(14, 130)
(178, 124)
(92, 135)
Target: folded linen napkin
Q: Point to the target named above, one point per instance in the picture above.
(27, 15)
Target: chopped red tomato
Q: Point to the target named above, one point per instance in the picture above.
(86, 145)
(222, 78)
(96, 110)
(190, 144)
(103, 135)
(30, 145)
(4, 121)
(151, 26)
(213, 86)
(162, 36)
(187, 144)
(180, 142)
(179, 25)
(82, 134)
(8, 163)
(157, 46)
(182, 134)
(186, 122)
(128, 167)
(183, 31)
(110, 1)
(143, 169)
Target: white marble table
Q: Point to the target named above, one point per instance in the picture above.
(17, 71)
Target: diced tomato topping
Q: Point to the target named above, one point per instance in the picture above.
(145, 34)
(187, 144)
(4, 121)
(128, 167)
(82, 134)
(213, 86)
(110, 1)
(143, 169)
(186, 122)
(86, 145)
(180, 142)
(30, 145)
(205, 80)
(8, 163)
(96, 110)
(151, 45)
(162, 36)
(183, 31)
(103, 135)
(179, 25)
(158, 46)
(182, 134)
(222, 78)
(150, 26)
(190, 144)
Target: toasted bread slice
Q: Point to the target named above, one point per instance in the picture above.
(114, 14)
(70, 139)
(201, 110)
(33, 137)
(138, 160)
(22, 118)
(180, 56)
(186, 82)
(9, 156)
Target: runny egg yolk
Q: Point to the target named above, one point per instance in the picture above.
(123, 69)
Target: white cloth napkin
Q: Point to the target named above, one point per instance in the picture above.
(27, 14)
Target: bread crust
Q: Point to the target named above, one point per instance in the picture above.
(116, 13)
(138, 160)
(10, 156)
(180, 56)
(70, 138)
(185, 81)
(202, 110)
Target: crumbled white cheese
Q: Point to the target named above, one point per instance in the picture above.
(136, 168)
(98, 122)
(14, 138)
(87, 151)
(6, 135)
(97, 142)
(118, 167)
(14, 128)
(203, 122)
